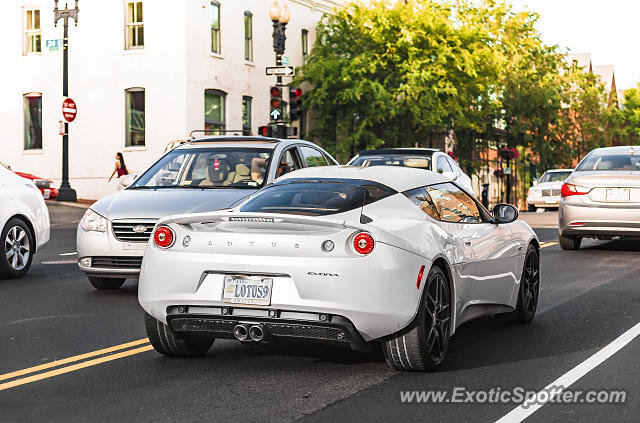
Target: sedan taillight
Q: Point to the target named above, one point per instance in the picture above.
(163, 237)
(568, 190)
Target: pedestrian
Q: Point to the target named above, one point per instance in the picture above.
(120, 167)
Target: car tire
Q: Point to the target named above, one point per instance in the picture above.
(17, 245)
(569, 243)
(168, 342)
(106, 284)
(424, 346)
(531, 207)
(529, 291)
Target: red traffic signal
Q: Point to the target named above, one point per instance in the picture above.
(295, 103)
(275, 92)
(265, 131)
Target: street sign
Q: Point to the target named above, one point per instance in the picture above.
(69, 110)
(280, 71)
(53, 45)
(275, 114)
(61, 128)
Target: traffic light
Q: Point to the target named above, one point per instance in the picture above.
(275, 109)
(295, 103)
(265, 131)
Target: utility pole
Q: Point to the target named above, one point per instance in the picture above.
(65, 193)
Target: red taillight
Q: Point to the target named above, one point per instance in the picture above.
(568, 190)
(363, 243)
(420, 273)
(163, 237)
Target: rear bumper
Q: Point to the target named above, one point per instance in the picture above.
(376, 293)
(588, 220)
(320, 327)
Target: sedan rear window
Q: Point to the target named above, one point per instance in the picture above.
(615, 162)
(403, 160)
(316, 197)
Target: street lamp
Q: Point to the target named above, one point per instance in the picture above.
(65, 193)
(280, 17)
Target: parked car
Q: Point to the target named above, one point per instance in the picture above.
(24, 223)
(418, 158)
(201, 175)
(545, 192)
(601, 198)
(44, 185)
(354, 256)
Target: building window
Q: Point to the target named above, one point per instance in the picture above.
(135, 25)
(305, 45)
(248, 36)
(215, 27)
(135, 117)
(32, 32)
(246, 115)
(32, 104)
(214, 111)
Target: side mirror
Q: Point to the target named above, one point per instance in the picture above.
(127, 180)
(504, 213)
(451, 175)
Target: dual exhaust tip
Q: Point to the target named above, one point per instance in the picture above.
(244, 332)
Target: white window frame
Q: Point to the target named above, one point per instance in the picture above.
(128, 43)
(217, 33)
(29, 34)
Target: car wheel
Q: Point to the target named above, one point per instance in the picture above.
(529, 287)
(105, 284)
(17, 245)
(531, 207)
(424, 346)
(166, 341)
(569, 243)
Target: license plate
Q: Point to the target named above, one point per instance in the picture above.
(247, 290)
(47, 194)
(618, 195)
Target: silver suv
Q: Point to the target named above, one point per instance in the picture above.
(202, 175)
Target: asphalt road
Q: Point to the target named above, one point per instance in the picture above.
(589, 298)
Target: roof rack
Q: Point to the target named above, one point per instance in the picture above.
(218, 132)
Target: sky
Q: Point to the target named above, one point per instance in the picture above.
(608, 29)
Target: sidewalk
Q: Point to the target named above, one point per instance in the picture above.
(81, 204)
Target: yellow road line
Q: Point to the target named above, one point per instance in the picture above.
(72, 359)
(547, 244)
(73, 367)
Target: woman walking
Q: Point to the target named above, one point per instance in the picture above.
(120, 168)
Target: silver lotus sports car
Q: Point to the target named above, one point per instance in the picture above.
(355, 256)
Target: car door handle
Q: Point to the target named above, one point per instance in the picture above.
(467, 242)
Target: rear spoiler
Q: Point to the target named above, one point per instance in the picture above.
(217, 217)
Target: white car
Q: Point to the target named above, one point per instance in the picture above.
(545, 192)
(24, 223)
(351, 255)
(417, 158)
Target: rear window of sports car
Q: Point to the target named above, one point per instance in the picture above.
(316, 197)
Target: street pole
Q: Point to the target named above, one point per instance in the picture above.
(65, 193)
(280, 18)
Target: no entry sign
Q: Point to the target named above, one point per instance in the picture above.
(69, 110)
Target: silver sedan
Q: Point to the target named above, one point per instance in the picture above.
(601, 198)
